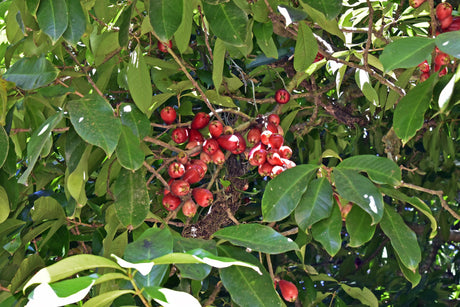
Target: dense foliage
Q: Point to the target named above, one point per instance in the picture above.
(365, 211)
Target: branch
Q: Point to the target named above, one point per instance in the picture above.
(369, 34)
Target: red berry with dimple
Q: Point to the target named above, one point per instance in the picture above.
(195, 135)
(265, 137)
(288, 290)
(180, 187)
(180, 135)
(182, 157)
(276, 170)
(203, 197)
(168, 115)
(171, 202)
(228, 141)
(162, 46)
(285, 152)
(205, 157)
(443, 10)
(276, 140)
(274, 119)
(216, 128)
(424, 66)
(218, 157)
(200, 163)
(282, 96)
(442, 59)
(189, 208)
(192, 175)
(258, 157)
(274, 158)
(176, 169)
(253, 136)
(210, 146)
(200, 120)
(271, 127)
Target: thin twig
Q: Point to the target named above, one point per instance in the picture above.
(212, 297)
(369, 34)
(159, 177)
(270, 267)
(206, 36)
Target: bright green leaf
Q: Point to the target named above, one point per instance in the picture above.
(4, 205)
(133, 118)
(106, 298)
(364, 295)
(182, 35)
(306, 48)
(330, 8)
(413, 277)
(129, 152)
(218, 63)
(327, 232)
(31, 73)
(52, 17)
(165, 17)
(330, 26)
(406, 52)
(359, 226)
(263, 33)
(171, 298)
(219, 100)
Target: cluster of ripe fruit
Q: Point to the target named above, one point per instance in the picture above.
(263, 147)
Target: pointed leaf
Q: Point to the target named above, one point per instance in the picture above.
(449, 43)
(31, 73)
(129, 152)
(364, 82)
(75, 182)
(306, 48)
(76, 26)
(132, 202)
(284, 192)
(139, 84)
(106, 298)
(413, 277)
(133, 118)
(52, 17)
(171, 298)
(403, 239)
(329, 25)
(4, 146)
(257, 237)
(218, 63)
(379, 169)
(4, 205)
(315, 204)
(359, 190)
(165, 17)
(330, 8)
(94, 121)
(327, 232)
(409, 113)
(365, 295)
(220, 100)
(183, 33)
(359, 227)
(263, 33)
(406, 52)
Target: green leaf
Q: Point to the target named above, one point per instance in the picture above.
(257, 237)
(4, 146)
(359, 227)
(448, 91)
(327, 232)
(306, 48)
(193, 271)
(165, 17)
(129, 152)
(406, 52)
(94, 121)
(330, 26)
(131, 198)
(133, 118)
(263, 33)
(158, 100)
(417, 203)
(37, 142)
(379, 169)
(246, 287)
(75, 181)
(27, 268)
(106, 298)
(449, 43)
(315, 204)
(403, 239)
(330, 8)
(182, 35)
(52, 17)
(167, 297)
(76, 26)
(139, 83)
(31, 73)
(218, 63)
(359, 190)
(283, 193)
(70, 266)
(413, 277)
(364, 83)
(227, 21)
(220, 100)
(409, 113)
(365, 295)
(4, 205)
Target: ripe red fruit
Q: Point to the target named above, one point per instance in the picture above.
(210, 146)
(253, 136)
(180, 135)
(455, 25)
(228, 141)
(192, 145)
(192, 175)
(258, 157)
(318, 57)
(265, 136)
(176, 169)
(195, 135)
(443, 72)
(424, 66)
(168, 115)
(416, 3)
(276, 140)
(446, 22)
(205, 157)
(182, 157)
(215, 128)
(272, 128)
(274, 158)
(189, 208)
(162, 46)
(180, 187)
(265, 169)
(276, 170)
(442, 59)
(171, 202)
(203, 197)
(443, 10)
(288, 290)
(282, 96)
(218, 157)
(274, 119)
(200, 120)
(285, 152)
(241, 147)
(201, 164)
(424, 76)
(288, 163)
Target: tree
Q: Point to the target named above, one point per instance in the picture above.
(98, 193)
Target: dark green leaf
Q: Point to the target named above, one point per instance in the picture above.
(315, 204)
(406, 52)
(31, 73)
(306, 48)
(183, 33)
(403, 239)
(133, 118)
(449, 43)
(139, 83)
(74, 149)
(413, 277)
(165, 17)
(257, 237)
(365, 296)
(76, 26)
(94, 121)
(52, 17)
(359, 190)
(4, 146)
(283, 193)
(327, 232)
(129, 152)
(330, 8)
(124, 23)
(330, 26)
(359, 227)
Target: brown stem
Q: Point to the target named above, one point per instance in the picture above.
(206, 36)
(159, 177)
(213, 295)
(369, 34)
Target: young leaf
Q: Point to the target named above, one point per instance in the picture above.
(327, 232)
(165, 17)
(306, 48)
(52, 17)
(406, 52)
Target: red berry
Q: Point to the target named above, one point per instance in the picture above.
(416, 3)
(288, 290)
(274, 158)
(200, 121)
(253, 136)
(274, 119)
(168, 115)
(272, 128)
(192, 175)
(455, 25)
(276, 140)
(192, 145)
(446, 22)
(265, 136)
(318, 57)
(228, 141)
(443, 72)
(288, 163)
(241, 147)
(171, 202)
(210, 146)
(282, 96)
(180, 187)
(195, 135)
(276, 170)
(180, 135)
(285, 152)
(189, 208)
(176, 169)
(201, 164)
(265, 169)
(205, 157)
(424, 76)
(216, 128)
(182, 157)
(442, 59)
(162, 46)
(218, 157)
(443, 10)
(424, 66)
(203, 197)
(258, 157)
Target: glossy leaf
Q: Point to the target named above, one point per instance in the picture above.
(193, 271)
(227, 21)
(306, 48)
(283, 193)
(37, 143)
(52, 17)
(379, 169)
(220, 100)
(4, 205)
(75, 181)
(139, 83)
(330, 8)
(359, 227)
(171, 298)
(76, 26)
(330, 26)
(94, 121)
(218, 64)
(403, 239)
(133, 118)
(263, 33)
(364, 82)
(165, 17)
(106, 298)
(359, 190)
(315, 204)
(409, 114)
(406, 52)
(257, 237)
(449, 43)
(129, 152)
(183, 33)
(246, 287)
(4, 146)
(131, 198)
(365, 296)
(27, 268)
(31, 73)
(448, 91)
(327, 232)
(413, 277)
